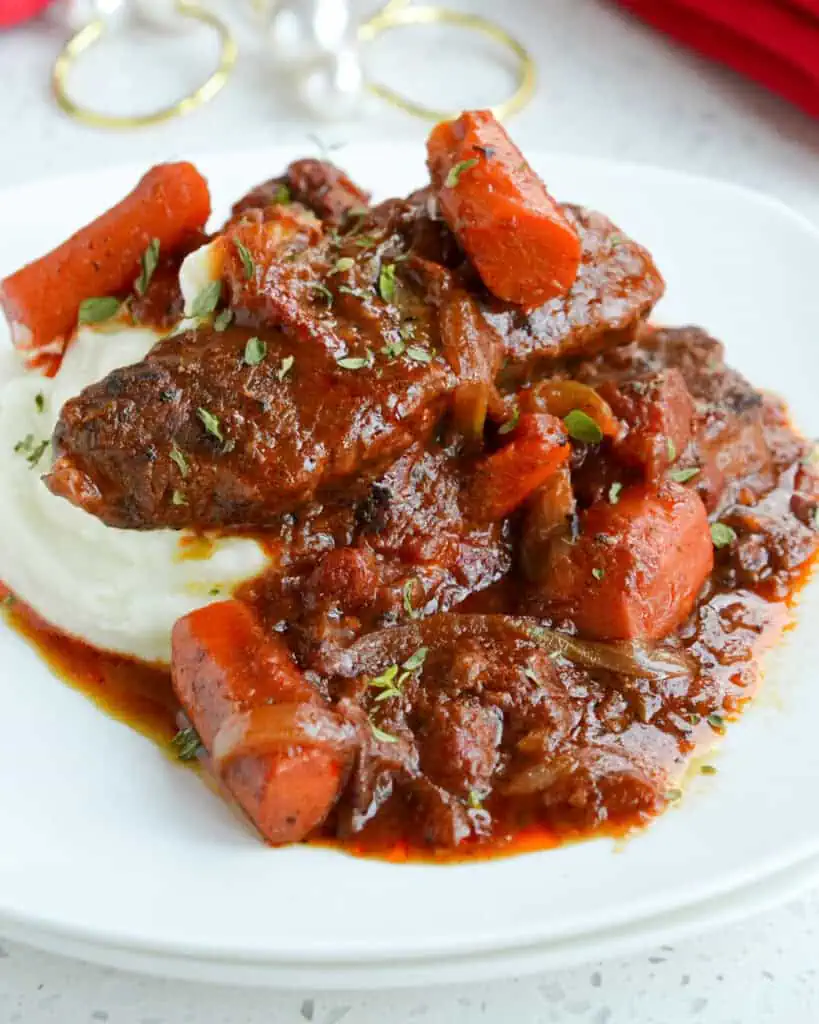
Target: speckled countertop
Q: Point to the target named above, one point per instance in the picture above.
(608, 88)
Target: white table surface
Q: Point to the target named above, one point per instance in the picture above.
(609, 88)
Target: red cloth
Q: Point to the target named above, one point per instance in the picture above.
(14, 11)
(775, 42)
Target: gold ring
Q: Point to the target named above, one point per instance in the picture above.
(93, 32)
(397, 14)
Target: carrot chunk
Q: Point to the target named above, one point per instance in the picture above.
(225, 669)
(506, 478)
(517, 236)
(637, 567)
(42, 300)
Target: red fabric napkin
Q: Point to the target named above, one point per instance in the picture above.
(775, 42)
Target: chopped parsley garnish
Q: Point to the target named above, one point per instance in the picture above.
(393, 349)
(214, 591)
(207, 300)
(282, 194)
(381, 736)
(248, 265)
(708, 769)
(342, 264)
(178, 498)
(416, 660)
(356, 362)
(187, 744)
(457, 170)
(510, 424)
(223, 320)
(255, 351)
(39, 401)
(722, 535)
(285, 367)
(148, 263)
(671, 449)
(418, 355)
(673, 795)
(33, 450)
(365, 241)
(407, 590)
(614, 492)
(386, 282)
(211, 423)
(322, 290)
(94, 311)
(582, 427)
(598, 573)
(474, 800)
(681, 476)
(178, 456)
(392, 679)
(716, 721)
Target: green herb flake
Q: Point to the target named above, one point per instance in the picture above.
(365, 241)
(322, 290)
(393, 349)
(356, 362)
(255, 351)
(598, 573)
(716, 721)
(673, 795)
(178, 498)
(386, 282)
(248, 265)
(207, 300)
(32, 450)
(722, 535)
(671, 449)
(614, 492)
(416, 660)
(343, 264)
(457, 170)
(285, 367)
(582, 427)
(8, 601)
(95, 311)
(39, 401)
(282, 194)
(617, 239)
(511, 423)
(223, 320)
(474, 800)
(214, 592)
(178, 456)
(682, 476)
(211, 423)
(419, 355)
(148, 263)
(694, 718)
(406, 593)
(187, 744)
(708, 769)
(380, 735)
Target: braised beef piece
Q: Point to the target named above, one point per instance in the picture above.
(193, 434)
(317, 184)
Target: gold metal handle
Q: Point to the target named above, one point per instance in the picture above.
(93, 33)
(399, 14)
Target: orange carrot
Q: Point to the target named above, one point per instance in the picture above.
(42, 300)
(506, 478)
(225, 671)
(517, 236)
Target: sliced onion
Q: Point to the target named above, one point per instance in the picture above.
(560, 397)
(628, 657)
(274, 728)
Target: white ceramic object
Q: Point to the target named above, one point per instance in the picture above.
(112, 851)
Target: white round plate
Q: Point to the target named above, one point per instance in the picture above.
(108, 846)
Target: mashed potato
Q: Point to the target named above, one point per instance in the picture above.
(118, 590)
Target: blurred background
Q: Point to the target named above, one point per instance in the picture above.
(741, 102)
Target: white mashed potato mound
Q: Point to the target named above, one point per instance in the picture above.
(118, 590)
